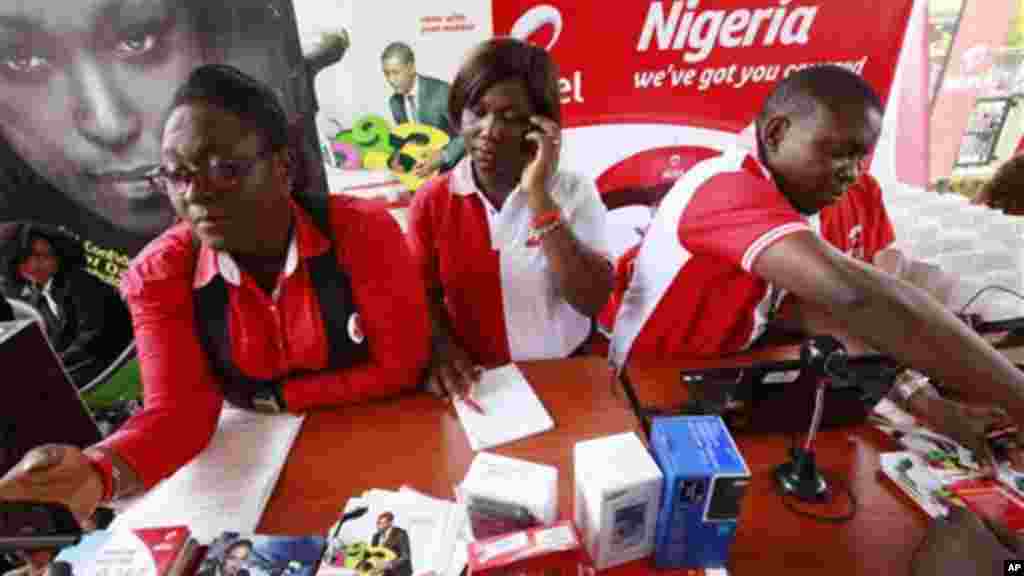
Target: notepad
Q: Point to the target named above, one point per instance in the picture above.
(511, 410)
(226, 486)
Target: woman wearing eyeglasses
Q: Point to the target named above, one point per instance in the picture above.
(250, 299)
(512, 247)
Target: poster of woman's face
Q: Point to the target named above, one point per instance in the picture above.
(84, 85)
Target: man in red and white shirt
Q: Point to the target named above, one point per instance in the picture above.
(857, 224)
(736, 233)
(227, 170)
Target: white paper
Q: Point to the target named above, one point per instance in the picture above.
(226, 487)
(511, 410)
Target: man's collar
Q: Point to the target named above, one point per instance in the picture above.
(29, 286)
(747, 140)
(306, 242)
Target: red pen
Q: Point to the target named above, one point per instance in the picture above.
(473, 404)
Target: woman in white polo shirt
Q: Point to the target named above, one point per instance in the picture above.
(513, 249)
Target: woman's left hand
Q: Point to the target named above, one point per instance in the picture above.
(546, 136)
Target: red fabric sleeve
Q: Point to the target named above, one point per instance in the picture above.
(388, 291)
(620, 283)
(181, 397)
(736, 215)
(421, 231)
(878, 228)
(858, 224)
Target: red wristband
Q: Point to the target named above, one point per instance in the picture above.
(545, 219)
(104, 464)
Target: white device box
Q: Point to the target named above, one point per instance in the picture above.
(617, 497)
(505, 480)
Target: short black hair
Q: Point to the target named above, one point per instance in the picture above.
(801, 93)
(16, 240)
(230, 89)
(399, 50)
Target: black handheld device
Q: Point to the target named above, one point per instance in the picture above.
(37, 526)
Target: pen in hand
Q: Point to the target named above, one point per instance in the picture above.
(473, 404)
(470, 378)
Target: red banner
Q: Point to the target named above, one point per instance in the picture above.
(700, 63)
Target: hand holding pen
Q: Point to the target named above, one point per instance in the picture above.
(453, 374)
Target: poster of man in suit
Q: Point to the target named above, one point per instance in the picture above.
(383, 118)
(395, 539)
(423, 99)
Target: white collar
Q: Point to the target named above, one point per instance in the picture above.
(232, 274)
(47, 288)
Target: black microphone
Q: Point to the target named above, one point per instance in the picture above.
(824, 355)
(356, 513)
(362, 510)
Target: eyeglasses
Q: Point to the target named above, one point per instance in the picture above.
(219, 174)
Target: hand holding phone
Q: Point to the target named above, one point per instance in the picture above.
(529, 146)
(541, 147)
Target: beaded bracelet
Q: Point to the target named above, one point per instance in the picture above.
(545, 219)
(538, 234)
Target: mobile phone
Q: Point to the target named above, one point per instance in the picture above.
(37, 526)
(529, 146)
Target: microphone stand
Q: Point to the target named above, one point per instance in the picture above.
(821, 357)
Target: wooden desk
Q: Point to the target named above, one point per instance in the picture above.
(771, 539)
(418, 441)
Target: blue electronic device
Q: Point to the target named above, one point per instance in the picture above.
(705, 480)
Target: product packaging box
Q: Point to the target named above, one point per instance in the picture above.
(503, 494)
(548, 551)
(705, 480)
(617, 496)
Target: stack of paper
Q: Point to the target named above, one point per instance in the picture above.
(433, 531)
(226, 487)
(511, 410)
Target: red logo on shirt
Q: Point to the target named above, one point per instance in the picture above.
(355, 331)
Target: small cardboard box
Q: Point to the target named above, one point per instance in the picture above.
(550, 550)
(503, 494)
(618, 493)
(705, 480)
